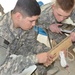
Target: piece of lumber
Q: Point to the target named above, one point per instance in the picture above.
(63, 45)
(53, 43)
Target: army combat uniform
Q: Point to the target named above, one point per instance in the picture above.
(32, 46)
(21, 43)
(1, 10)
(47, 18)
(10, 40)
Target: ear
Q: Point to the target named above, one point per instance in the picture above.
(18, 16)
(53, 6)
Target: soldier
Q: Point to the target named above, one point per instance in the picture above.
(54, 13)
(14, 26)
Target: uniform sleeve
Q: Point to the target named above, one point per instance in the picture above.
(27, 61)
(17, 63)
(14, 64)
(44, 20)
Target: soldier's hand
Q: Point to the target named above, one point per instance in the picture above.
(49, 60)
(55, 28)
(72, 36)
(42, 57)
(45, 58)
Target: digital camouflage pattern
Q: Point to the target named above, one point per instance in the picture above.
(46, 17)
(73, 15)
(1, 9)
(32, 46)
(24, 43)
(15, 39)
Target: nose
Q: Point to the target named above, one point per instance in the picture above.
(62, 18)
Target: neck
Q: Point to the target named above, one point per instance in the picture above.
(15, 23)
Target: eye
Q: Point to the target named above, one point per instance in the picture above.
(59, 15)
(31, 21)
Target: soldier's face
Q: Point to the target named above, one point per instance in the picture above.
(28, 22)
(60, 15)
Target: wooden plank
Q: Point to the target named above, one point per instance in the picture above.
(63, 45)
